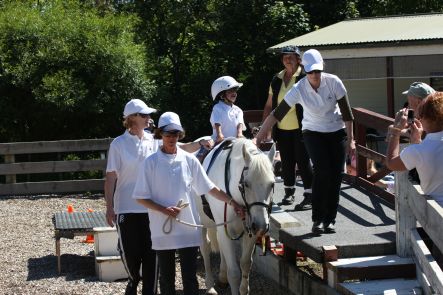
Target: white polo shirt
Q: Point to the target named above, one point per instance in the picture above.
(228, 117)
(165, 179)
(320, 109)
(427, 158)
(126, 155)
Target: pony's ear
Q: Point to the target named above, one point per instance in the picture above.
(246, 154)
(271, 153)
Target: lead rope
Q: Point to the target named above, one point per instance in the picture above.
(167, 225)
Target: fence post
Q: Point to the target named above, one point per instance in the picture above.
(11, 178)
(404, 217)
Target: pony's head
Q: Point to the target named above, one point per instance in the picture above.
(256, 186)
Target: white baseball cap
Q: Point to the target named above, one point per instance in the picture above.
(312, 60)
(135, 106)
(170, 121)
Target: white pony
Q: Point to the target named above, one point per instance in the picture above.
(250, 178)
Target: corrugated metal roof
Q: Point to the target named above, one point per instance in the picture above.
(373, 30)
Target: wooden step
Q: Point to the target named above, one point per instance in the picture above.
(381, 287)
(110, 268)
(370, 268)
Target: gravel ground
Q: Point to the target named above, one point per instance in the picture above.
(29, 264)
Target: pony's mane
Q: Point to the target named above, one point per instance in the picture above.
(260, 167)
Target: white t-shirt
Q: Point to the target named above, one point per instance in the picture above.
(228, 117)
(427, 158)
(126, 154)
(165, 179)
(320, 109)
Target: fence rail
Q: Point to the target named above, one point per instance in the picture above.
(11, 168)
(413, 206)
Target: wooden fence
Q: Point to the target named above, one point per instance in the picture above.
(11, 168)
(413, 206)
(365, 119)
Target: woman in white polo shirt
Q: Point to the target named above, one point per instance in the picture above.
(168, 176)
(327, 132)
(226, 118)
(126, 154)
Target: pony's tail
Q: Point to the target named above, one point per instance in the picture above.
(212, 235)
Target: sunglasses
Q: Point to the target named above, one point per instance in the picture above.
(313, 72)
(144, 116)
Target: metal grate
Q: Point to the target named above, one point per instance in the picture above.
(79, 221)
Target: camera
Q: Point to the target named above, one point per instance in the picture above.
(410, 117)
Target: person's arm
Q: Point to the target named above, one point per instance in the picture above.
(110, 181)
(277, 115)
(267, 110)
(239, 130)
(219, 133)
(150, 204)
(393, 160)
(348, 118)
(222, 196)
(191, 147)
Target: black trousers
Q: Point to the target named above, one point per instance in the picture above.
(292, 151)
(328, 154)
(135, 248)
(188, 264)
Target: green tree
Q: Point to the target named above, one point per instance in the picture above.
(67, 70)
(190, 43)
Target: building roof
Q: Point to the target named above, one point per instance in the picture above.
(373, 31)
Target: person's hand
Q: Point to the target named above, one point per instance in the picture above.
(260, 137)
(206, 143)
(350, 148)
(416, 131)
(238, 209)
(172, 211)
(110, 216)
(401, 119)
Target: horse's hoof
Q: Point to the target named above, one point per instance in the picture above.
(211, 292)
(222, 285)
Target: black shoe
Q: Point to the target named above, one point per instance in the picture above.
(288, 199)
(317, 227)
(131, 288)
(329, 228)
(306, 204)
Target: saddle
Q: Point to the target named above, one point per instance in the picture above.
(227, 144)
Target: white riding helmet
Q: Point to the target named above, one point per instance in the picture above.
(222, 84)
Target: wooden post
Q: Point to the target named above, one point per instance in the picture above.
(404, 217)
(330, 253)
(12, 177)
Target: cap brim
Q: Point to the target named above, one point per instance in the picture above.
(172, 127)
(148, 111)
(314, 67)
(405, 92)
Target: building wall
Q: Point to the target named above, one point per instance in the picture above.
(366, 78)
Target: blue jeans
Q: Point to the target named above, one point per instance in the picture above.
(328, 154)
(188, 263)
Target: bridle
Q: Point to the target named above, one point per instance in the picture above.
(242, 185)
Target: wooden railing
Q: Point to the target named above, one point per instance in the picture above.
(413, 206)
(365, 119)
(11, 168)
